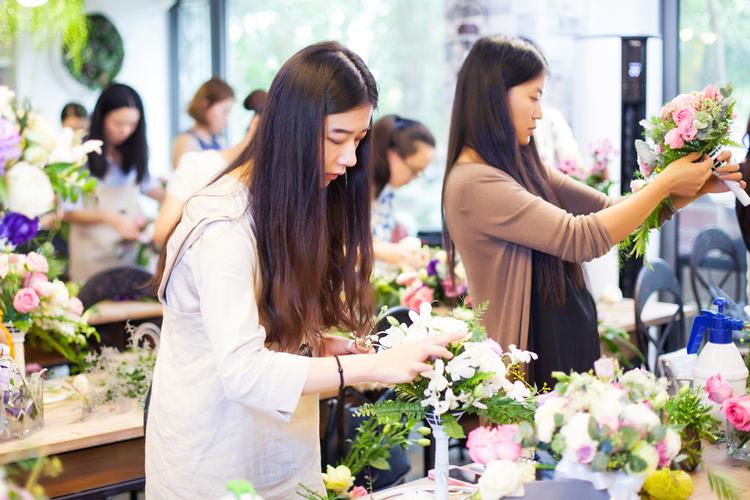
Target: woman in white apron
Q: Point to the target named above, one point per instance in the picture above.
(251, 278)
(99, 224)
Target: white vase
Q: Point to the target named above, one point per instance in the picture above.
(442, 459)
(18, 337)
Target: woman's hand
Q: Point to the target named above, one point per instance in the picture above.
(334, 345)
(125, 226)
(403, 363)
(729, 172)
(686, 176)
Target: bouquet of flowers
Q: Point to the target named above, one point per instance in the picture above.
(38, 168)
(694, 122)
(736, 412)
(605, 428)
(596, 175)
(142, 249)
(37, 303)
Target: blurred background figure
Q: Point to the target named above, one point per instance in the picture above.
(74, 116)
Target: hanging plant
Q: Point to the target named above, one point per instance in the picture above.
(102, 54)
(46, 25)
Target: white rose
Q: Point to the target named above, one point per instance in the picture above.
(502, 478)
(29, 190)
(607, 407)
(640, 417)
(544, 418)
(576, 434)
(649, 454)
(672, 444)
(60, 296)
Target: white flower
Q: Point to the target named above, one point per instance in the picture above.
(463, 314)
(81, 384)
(421, 320)
(338, 479)
(6, 99)
(649, 454)
(640, 417)
(65, 149)
(60, 297)
(438, 382)
(519, 392)
(29, 190)
(606, 406)
(606, 368)
(411, 243)
(576, 434)
(394, 335)
(520, 356)
(544, 418)
(446, 324)
(41, 138)
(503, 478)
(460, 367)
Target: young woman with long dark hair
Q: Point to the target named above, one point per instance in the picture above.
(263, 262)
(98, 224)
(524, 229)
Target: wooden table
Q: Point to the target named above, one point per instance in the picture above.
(97, 452)
(714, 457)
(622, 314)
(120, 311)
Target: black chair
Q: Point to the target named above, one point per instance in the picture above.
(714, 240)
(400, 313)
(660, 278)
(122, 282)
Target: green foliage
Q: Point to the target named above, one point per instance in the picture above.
(70, 181)
(102, 54)
(46, 25)
(503, 410)
(616, 339)
(371, 447)
(386, 293)
(687, 410)
(451, 426)
(723, 486)
(392, 411)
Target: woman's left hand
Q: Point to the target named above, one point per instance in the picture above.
(334, 345)
(730, 172)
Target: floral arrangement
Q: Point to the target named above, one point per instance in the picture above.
(596, 176)
(687, 410)
(481, 378)
(693, 122)
(428, 284)
(607, 422)
(35, 302)
(736, 412)
(39, 167)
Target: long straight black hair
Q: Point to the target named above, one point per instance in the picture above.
(481, 120)
(135, 148)
(314, 244)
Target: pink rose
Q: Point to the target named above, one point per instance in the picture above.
(682, 101)
(636, 185)
(75, 306)
(415, 298)
(37, 263)
(737, 412)
(711, 92)
(358, 492)
(33, 280)
(26, 300)
(688, 131)
(585, 454)
(684, 115)
(452, 291)
(486, 445)
(673, 139)
(406, 278)
(717, 389)
(606, 368)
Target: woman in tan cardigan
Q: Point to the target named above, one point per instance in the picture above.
(523, 229)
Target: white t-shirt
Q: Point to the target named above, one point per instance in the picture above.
(194, 172)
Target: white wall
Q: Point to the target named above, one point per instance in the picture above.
(144, 27)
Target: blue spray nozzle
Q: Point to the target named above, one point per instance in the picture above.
(719, 327)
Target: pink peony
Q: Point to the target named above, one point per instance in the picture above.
(711, 92)
(75, 306)
(673, 139)
(26, 300)
(486, 445)
(737, 412)
(636, 185)
(415, 298)
(687, 130)
(684, 115)
(358, 492)
(717, 389)
(37, 263)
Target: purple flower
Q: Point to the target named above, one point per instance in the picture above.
(10, 143)
(432, 267)
(18, 229)
(585, 454)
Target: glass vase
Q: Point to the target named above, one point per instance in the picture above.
(21, 405)
(738, 443)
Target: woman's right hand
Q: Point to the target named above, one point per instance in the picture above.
(125, 226)
(685, 177)
(403, 363)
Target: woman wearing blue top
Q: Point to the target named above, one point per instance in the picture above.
(99, 223)
(210, 109)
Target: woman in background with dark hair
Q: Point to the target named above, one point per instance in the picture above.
(264, 261)
(99, 223)
(402, 149)
(198, 168)
(209, 107)
(75, 117)
(524, 229)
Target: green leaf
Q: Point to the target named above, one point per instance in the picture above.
(558, 443)
(629, 437)
(722, 485)
(658, 433)
(600, 461)
(380, 464)
(636, 464)
(452, 428)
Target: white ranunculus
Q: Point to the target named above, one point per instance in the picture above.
(640, 417)
(576, 434)
(544, 418)
(29, 190)
(502, 478)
